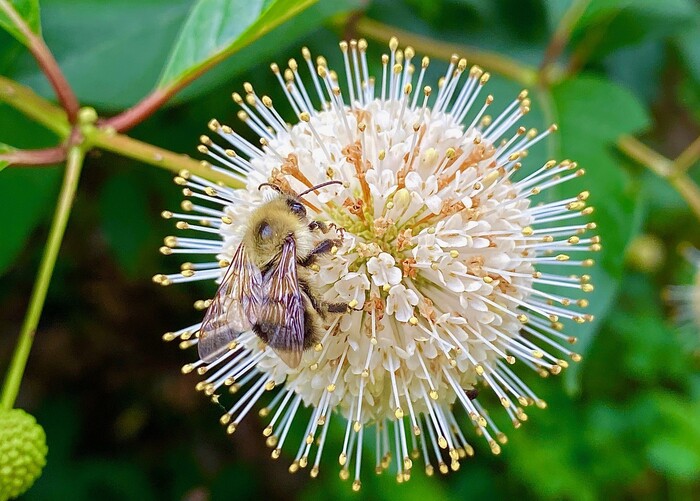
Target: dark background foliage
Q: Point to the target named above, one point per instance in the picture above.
(123, 423)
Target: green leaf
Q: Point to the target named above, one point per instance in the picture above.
(675, 451)
(215, 29)
(27, 194)
(116, 60)
(124, 208)
(592, 114)
(555, 12)
(639, 68)
(115, 72)
(608, 25)
(689, 46)
(301, 30)
(28, 10)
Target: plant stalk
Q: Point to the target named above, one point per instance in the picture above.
(153, 155)
(557, 43)
(689, 156)
(34, 158)
(46, 62)
(665, 168)
(15, 372)
(35, 107)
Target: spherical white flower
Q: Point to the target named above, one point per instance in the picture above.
(451, 273)
(686, 298)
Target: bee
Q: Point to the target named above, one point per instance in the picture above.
(266, 288)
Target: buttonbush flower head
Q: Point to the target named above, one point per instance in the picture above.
(686, 298)
(451, 272)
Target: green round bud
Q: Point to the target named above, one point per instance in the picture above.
(22, 452)
(87, 115)
(646, 253)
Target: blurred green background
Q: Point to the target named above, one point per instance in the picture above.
(123, 423)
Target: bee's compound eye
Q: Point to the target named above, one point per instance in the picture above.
(264, 231)
(297, 208)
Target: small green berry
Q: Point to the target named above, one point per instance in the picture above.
(22, 452)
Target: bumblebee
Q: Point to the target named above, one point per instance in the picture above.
(267, 286)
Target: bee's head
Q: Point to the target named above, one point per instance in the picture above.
(294, 201)
(296, 206)
(268, 227)
(281, 218)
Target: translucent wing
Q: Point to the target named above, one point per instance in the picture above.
(281, 318)
(234, 308)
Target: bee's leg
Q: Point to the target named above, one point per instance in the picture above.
(324, 247)
(336, 307)
(334, 227)
(307, 292)
(318, 225)
(322, 307)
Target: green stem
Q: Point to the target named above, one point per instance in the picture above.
(35, 107)
(147, 153)
(664, 168)
(640, 152)
(688, 190)
(689, 156)
(491, 61)
(13, 380)
(25, 100)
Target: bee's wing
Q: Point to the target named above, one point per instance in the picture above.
(234, 308)
(281, 318)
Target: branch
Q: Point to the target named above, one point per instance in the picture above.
(35, 107)
(153, 155)
(144, 108)
(585, 48)
(36, 303)
(561, 37)
(688, 190)
(47, 63)
(443, 50)
(46, 156)
(664, 168)
(39, 109)
(159, 96)
(644, 155)
(689, 156)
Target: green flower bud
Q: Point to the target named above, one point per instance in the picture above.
(22, 452)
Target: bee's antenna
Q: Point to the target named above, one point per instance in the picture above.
(314, 188)
(273, 186)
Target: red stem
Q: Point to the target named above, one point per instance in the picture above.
(53, 72)
(141, 110)
(47, 63)
(23, 158)
(152, 102)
